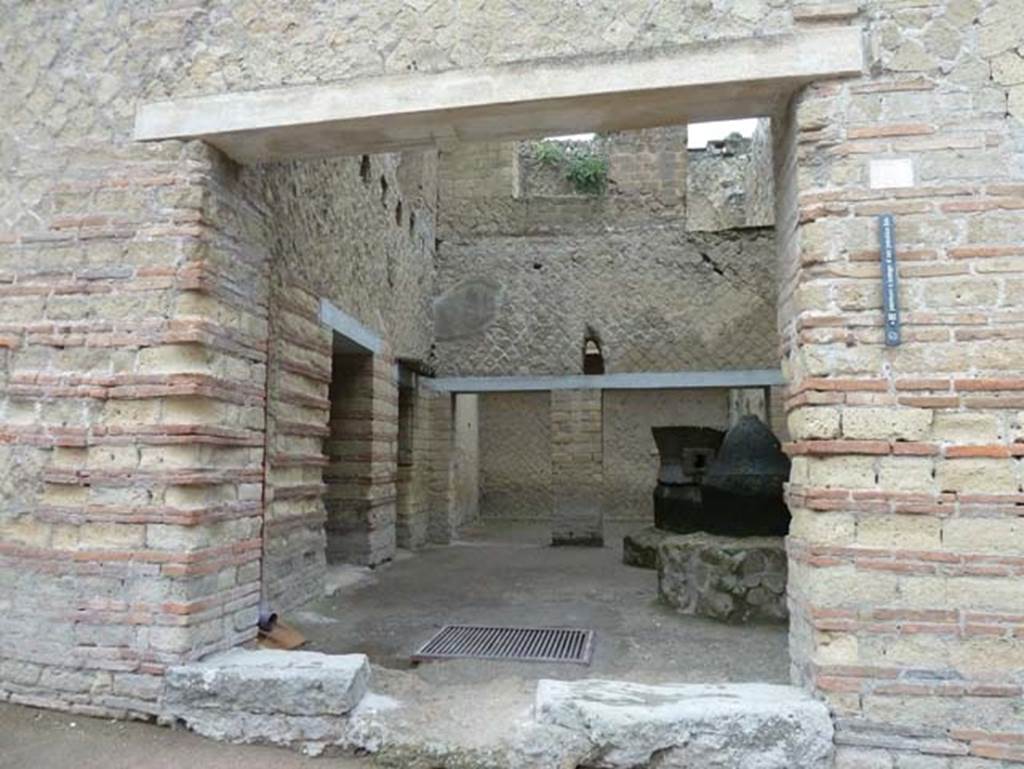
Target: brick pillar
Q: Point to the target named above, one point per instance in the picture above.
(441, 520)
(297, 417)
(466, 460)
(421, 453)
(744, 401)
(576, 467)
(907, 546)
(410, 519)
(132, 418)
(362, 450)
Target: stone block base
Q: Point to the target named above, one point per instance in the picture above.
(640, 548)
(292, 698)
(724, 578)
(679, 725)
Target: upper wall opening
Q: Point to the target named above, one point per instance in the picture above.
(529, 265)
(729, 180)
(700, 135)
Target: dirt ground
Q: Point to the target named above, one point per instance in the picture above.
(41, 739)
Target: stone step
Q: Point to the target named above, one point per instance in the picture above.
(310, 701)
(697, 726)
(294, 698)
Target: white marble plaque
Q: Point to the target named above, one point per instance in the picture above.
(891, 172)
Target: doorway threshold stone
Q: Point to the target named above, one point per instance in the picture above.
(292, 698)
(319, 703)
(754, 726)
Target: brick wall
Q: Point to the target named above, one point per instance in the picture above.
(648, 162)
(381, 277)
(441, 522)
(576, 467)
(138, 285)
(298, 412)
(412, 512)
(363, 451)
(906, 553)
(515, 449)
(133, 415)
(466, 460)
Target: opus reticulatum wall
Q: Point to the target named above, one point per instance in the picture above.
(543, 267)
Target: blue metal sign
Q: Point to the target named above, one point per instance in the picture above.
(890, 281)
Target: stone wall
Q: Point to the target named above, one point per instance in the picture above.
(729, 183)
(359, 232)
(759, 181)
(534, 266)
(346, 229)
(138, 448)
(136, 287)
(233, 46)
(906, 551)
(522, 280)
(515, 456)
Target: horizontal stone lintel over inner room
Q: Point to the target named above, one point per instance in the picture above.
(655, 380)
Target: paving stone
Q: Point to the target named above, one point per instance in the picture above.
(754, 726)
(279, 697)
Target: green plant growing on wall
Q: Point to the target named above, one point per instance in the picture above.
(585, 169)
(548, 153)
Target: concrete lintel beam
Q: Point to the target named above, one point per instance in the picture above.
(660, 380)
(706, 81)
(350, 336)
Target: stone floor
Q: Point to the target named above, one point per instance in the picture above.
(508, 574)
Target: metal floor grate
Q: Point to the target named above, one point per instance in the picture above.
(520, 644)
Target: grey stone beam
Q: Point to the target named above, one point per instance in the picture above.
(705, 81)
(350, 336)
(669, 380)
